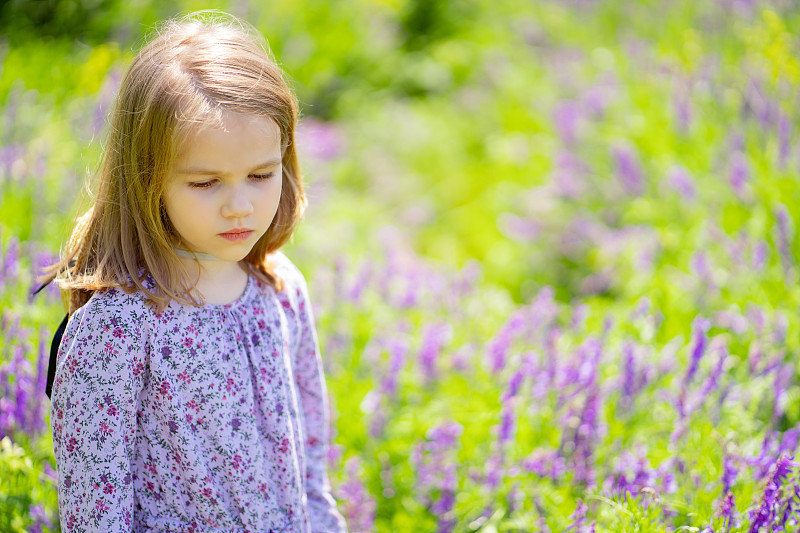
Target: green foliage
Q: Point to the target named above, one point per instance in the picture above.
(75, 19)
(451, 121)
(25, 485)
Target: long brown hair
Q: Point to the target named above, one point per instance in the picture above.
(193, 69)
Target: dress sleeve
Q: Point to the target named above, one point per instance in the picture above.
(93, 416)
(310, 381)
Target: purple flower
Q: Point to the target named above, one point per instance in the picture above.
(713, 379)
(319, 139)
(732, 321)
(23, 392)
(498, 346)
(586, 437)
(578, 517)
(739, 174)
(7, 420)
(791, 502)
(579, 313)
(516, 381)
(784, 138)
(789, 441)
(521, 229)
(21, 401)
(545, 463)
(595, 100)
(358, 506)
(729, 472)
(784, 236)
(433, 340)
(727, 510)
(10, 263)
(779, 333)
(630, 474)
(757, 103)
(50, 474)
(397, 350)
(783, 378)
(700, 328)
(9, 155)
(629, 170)
(770, 499)
(742, 7)
(377, 423)
(762, 462)
(435, 463)
(666, 475)
(495, 470)
(683, 109)
(681, 181)
(760, 255)
(466, 280)
(567, 116)
(702, 269)
(445, 435)
(629, 373)
(507, 424)
(40, 518)
(569, 173)
(515, 498)
(334, 455)
(756, 316)
(41, 381)
(363, 278)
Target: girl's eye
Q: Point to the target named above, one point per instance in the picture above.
(207, 184)
(202, 184)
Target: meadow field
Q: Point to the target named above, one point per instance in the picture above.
(552, 248)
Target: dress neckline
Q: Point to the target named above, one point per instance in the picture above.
(248, 288)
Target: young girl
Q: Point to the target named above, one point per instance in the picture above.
(189, 393)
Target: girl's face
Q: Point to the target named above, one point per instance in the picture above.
(224, 189)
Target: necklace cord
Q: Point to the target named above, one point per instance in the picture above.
(195, 255)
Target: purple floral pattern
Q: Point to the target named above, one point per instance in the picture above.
(196, 419)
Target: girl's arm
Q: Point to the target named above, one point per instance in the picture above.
(310, 381)
(93, 415)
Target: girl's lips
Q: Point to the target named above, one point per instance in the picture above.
(237, 235)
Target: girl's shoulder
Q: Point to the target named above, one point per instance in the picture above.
(118, 302)
(285, 269)
(115, 302)
(111, 317)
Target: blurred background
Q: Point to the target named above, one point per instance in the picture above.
(552, 247)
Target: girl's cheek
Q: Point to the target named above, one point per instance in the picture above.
(202, 198)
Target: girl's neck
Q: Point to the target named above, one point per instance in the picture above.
(217, 282)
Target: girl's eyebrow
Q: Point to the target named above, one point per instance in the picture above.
(270, 163)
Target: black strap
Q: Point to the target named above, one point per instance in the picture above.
(37, 291)
(51, 367)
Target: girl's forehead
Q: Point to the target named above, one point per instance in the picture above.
(230, 125)
(227, 121)
(240, 141)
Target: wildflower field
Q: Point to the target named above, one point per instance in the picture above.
(551, 245)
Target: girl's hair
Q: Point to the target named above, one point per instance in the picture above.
(196, 68)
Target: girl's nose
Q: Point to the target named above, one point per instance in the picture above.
(238, 204)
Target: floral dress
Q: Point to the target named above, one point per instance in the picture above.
(197, 419)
